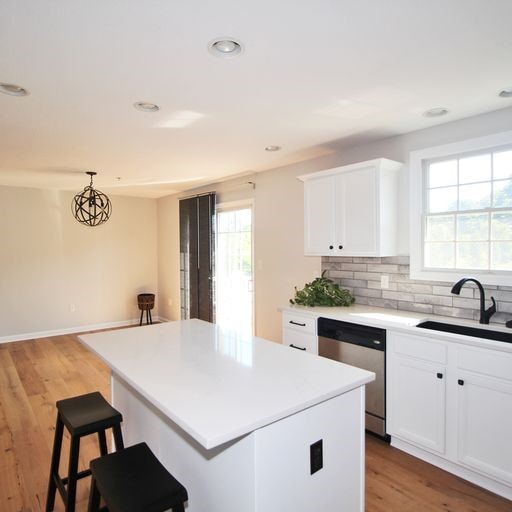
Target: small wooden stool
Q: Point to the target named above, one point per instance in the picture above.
(134, 480)
(81, 415)
(146, 302)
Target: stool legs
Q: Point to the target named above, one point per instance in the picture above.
(54, 468)
(73, 473)
(118, 437)
(103, 442)
(94, 497)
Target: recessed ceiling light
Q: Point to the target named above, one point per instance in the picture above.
(225, 47)
(436, 112)
(506, 93)
(272, 148)
(13, 90)
(146, 106)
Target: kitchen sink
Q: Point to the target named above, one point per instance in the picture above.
(467, 331)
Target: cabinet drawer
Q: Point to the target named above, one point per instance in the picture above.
(485, 362)
(299, 322)
(418, 347)
(300, 340)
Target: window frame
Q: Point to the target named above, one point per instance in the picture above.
(418, 189)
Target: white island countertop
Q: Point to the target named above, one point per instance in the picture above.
(218, 386)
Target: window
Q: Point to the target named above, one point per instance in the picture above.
(462, 211)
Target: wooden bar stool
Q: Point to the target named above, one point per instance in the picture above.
(81, 415)
(134, 480)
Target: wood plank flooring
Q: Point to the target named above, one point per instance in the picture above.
(35, 374)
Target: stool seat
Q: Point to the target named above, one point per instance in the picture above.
(134, 480)
(87, 414)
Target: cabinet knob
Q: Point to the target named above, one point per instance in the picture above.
(439, 375)
(331, 247)
(340, 246)
(460, 382)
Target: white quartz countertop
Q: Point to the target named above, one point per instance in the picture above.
(405, 321)
(218, 386)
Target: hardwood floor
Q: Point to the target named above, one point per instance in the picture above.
(35, 374)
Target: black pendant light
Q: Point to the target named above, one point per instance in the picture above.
(91, 207)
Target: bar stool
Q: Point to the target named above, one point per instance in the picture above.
(134, 480)
(81, 415)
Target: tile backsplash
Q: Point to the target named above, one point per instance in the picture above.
(362, 276)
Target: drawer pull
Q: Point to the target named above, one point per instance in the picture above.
(439, 375)
(297, 323)
(298, 348)
(460, 382)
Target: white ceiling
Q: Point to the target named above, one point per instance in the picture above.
(314, 74)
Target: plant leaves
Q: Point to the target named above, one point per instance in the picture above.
(322, 292)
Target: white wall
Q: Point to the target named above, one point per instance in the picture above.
(278, 221)
(49, 261)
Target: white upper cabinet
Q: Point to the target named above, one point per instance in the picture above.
(352, 210)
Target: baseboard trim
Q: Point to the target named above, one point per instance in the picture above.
(73, 330)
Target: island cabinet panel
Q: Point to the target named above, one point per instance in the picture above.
(233, 418)
(268, 470)
(352, 210)
(284, 481)
(451, 405)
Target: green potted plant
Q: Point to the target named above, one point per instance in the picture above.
(322, 292)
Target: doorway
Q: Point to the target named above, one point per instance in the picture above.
(234, 268)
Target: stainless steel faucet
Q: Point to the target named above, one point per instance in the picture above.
(485, 314)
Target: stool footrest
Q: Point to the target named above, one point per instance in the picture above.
(81, 474)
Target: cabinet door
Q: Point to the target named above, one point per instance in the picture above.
(356, 215)
(485, 425)
(319, 216)
(417, 402)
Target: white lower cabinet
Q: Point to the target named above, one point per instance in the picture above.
(451, 404)
(299, 332)
(419, 389)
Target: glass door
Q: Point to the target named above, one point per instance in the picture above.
(233, 269)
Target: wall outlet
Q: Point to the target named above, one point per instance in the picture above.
(72, 308)
(316, 457)
(384, 281)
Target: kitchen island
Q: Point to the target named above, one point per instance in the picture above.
(245, 424)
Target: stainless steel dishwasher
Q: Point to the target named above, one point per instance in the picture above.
(364, 347)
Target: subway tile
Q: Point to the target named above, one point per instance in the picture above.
(331, 266)
(376, 285)
(386, 294)
(435, 300)
(367, 292)
(336, 274)
(366, 260)
(504, 307)
(501, 295)
(466, 303)
(453, 312)
(396, 260)
(362, 300)
(416, 308)
(382, 303)
(354, 283)
(360, 267)
(383, 268)
(447, 290)
(415, 288)
(367, 276)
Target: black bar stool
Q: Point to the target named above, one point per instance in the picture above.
(134, 480)
(81, 415)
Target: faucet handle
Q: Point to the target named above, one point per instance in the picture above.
(492, 309)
